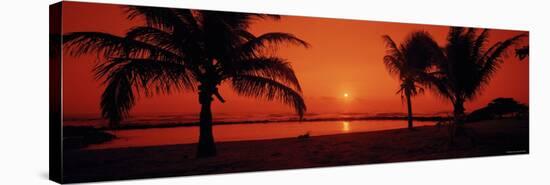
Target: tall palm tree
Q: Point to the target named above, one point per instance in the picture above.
(189, 50)
(467, 66)
(410, 62)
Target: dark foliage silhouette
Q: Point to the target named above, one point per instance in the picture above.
(499, 108)
(410, 62)
(77, 137)
(189, 50)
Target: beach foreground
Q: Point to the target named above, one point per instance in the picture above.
(486, 138)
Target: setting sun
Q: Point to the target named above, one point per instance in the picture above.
(346, 95)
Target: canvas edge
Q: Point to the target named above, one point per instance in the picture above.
(55, 88)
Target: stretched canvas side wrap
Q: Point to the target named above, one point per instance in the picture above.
(144, 92)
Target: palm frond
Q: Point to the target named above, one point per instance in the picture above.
(394, 59)
(411, 87)
(161, 76)
(493, 59)
(127, 77)
(181, 43)
(268, 67)
(393, 64)
(267, 41)
(422, 50)
(78, 43)
(161, 18)
(470, 34)
(479, 43)
(438, 83)
(522, 52)
(235, 20)
(393, 49)
(118, 97)
(455, 33)
(269, 89)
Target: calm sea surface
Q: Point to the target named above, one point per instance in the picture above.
(242, 132)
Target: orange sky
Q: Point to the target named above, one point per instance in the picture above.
(345, 57)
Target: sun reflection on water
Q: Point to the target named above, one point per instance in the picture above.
(345, 126)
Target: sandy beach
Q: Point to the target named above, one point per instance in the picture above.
(487, 138)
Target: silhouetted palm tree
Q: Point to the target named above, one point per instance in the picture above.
(189, 50)
(410, 62)
(467, 66)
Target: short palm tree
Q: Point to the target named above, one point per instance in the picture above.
(410, 62)
(189, 50)
(467, 66)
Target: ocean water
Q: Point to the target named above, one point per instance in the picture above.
(242, 127)
(243, 132)
(183, 119)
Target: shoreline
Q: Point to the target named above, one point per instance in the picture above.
(132, 126)
(255, 140)
(494, 137)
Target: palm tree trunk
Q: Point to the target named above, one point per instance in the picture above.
(459, 112)
(206, 146)
(409, 109)
(458, 121)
